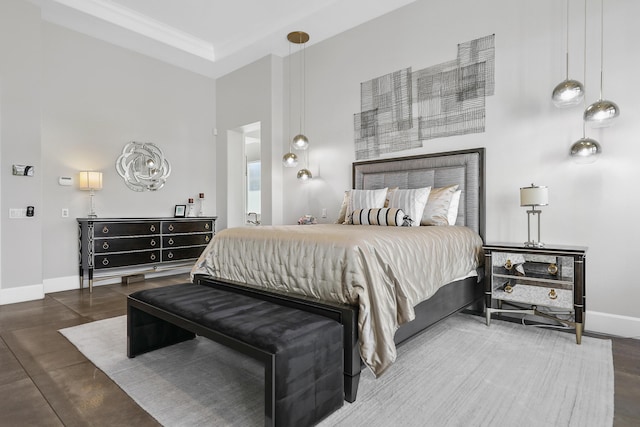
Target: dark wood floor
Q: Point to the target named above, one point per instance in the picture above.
(45, 381)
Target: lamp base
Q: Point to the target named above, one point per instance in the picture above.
(533, 245)
(92, 215)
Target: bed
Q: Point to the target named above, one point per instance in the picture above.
(288, 264)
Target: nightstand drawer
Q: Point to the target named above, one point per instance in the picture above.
(510, 290)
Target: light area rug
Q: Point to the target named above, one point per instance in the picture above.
(458, 373)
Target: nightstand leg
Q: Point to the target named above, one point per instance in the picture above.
(579, 327)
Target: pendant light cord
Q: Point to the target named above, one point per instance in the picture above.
(584, 100)
(289, 121)
(601, 44)
(567, 53)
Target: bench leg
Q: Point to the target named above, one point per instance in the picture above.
(270, 391)
(146, 332)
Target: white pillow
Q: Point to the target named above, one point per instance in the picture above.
(411, 201)
(437, 209)
(364, 199)
(452, 214)
(342, 214)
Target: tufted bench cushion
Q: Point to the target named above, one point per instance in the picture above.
(302, 351)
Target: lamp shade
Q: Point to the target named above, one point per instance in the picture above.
(90, 180)
(534, 196)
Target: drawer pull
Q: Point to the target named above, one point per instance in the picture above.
(105, 229)
(153, 242)
(206, 226)
(170, 241)
(170, 255)
(105, 261)
(105, 245)
(207, 238)
(153, 257)
(508, 288)
(152, 228)
(553, 269)
(553, 294)
(508, 265)
(170, 227)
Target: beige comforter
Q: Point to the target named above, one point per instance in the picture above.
(386, 271)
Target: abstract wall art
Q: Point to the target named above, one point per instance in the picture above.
(402, 109)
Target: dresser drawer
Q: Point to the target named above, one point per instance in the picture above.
(186, 240)
(127, 259)
(170, 227)
(122, 244)
(181, 253)
(115, 229)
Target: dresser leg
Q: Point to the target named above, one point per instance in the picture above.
(579, 327)
(488, 314)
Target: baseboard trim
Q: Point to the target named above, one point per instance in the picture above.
(59, 284)
(21, 294)
(612, 324)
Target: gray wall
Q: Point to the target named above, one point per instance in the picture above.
(20, 106)
(526, 137)
(71, 103)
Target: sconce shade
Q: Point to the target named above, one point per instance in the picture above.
(567, 94)
(290, 160)
(601, 113)
(304, 175)
(534, 196)
(90, 180)
(585, 150)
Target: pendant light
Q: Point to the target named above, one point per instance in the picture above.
(602, 112)
(568, 92)
(585, 150)
(300, 141)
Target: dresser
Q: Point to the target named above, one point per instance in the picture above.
(108, 246)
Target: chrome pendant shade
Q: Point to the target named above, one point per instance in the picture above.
(601, 113)
(568, 94)
(304, 174)
(290, 160)
(300, 142)
(585, 150)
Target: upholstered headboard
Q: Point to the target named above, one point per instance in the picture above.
(465, 168)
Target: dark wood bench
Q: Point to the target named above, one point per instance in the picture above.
(302, 352)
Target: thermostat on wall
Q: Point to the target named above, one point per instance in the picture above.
(65, 180)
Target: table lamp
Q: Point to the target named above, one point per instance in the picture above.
(532, 197)
(90, 180)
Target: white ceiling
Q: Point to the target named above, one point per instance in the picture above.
(211, 37)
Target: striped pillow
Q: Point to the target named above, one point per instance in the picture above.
(378, 216)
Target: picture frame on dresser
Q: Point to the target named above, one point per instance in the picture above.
(180, 211)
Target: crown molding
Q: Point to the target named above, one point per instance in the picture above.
(141, 24)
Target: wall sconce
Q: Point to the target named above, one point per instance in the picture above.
(533, 196)
(91, 181)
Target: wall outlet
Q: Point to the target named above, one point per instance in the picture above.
(324, 212)
(65, 213)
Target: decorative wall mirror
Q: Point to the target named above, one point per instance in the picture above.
(143, 166)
